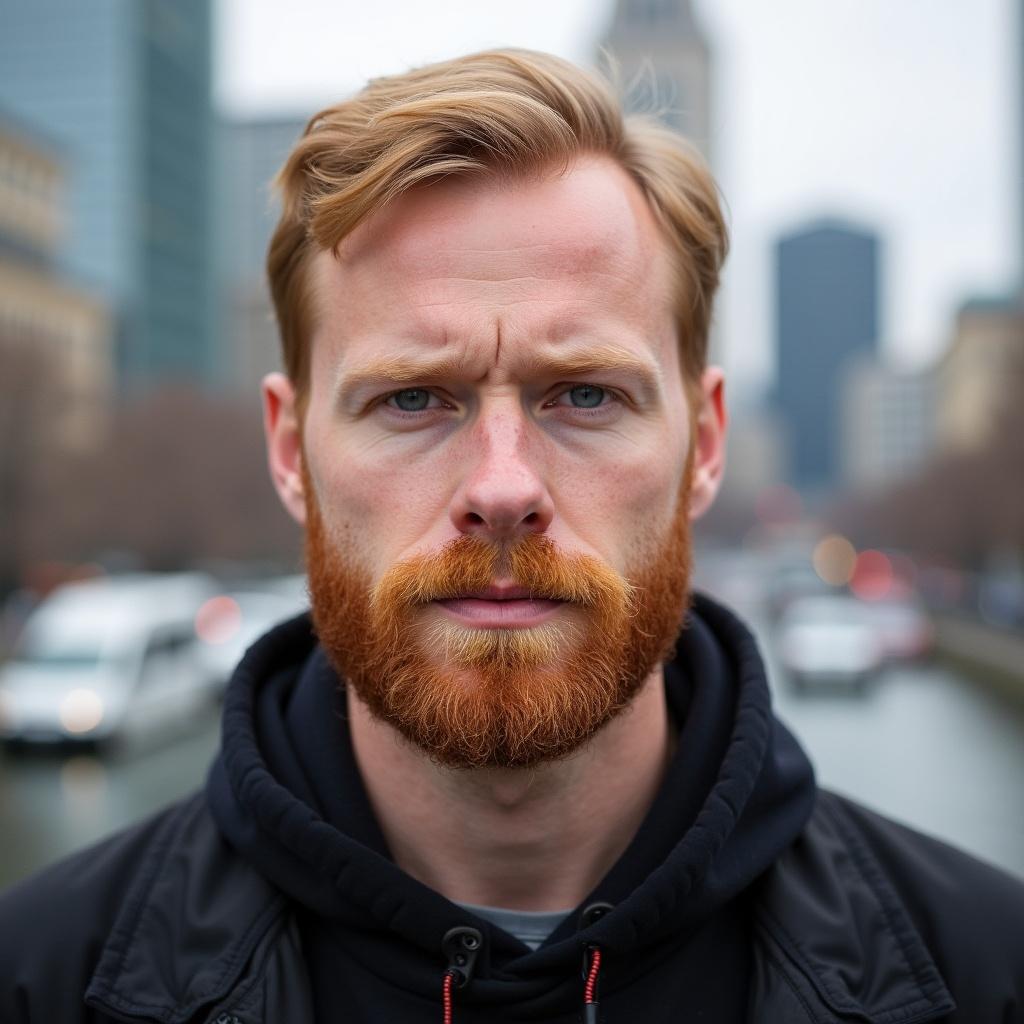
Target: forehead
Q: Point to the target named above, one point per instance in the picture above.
(537, 258)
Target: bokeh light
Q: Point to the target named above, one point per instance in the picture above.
(81, 711)
(834, 560)
(218, 619)
(873, 576)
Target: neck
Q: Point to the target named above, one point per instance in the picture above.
(525, 839)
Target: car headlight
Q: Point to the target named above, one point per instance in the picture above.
(81, 711)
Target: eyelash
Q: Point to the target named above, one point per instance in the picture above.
(588, 413)
(405, 413)
(592, 412)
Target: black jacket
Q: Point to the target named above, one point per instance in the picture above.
(747, 894)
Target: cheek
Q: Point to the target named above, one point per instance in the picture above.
(623, 509)
(377, 509)
(654, 507)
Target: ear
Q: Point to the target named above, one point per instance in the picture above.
(711, 422)
(284, 443)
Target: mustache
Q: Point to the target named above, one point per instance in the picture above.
(534, 563)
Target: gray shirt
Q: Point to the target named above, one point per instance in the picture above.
(531, 927)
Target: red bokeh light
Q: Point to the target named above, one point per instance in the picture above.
(218, 619)
(873, 576)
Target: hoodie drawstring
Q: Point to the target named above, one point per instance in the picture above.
(590, 1005)
(591, 962)
(446, 996)
(461, 946)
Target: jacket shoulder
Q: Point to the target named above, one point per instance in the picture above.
(969, 914)
(55, 923)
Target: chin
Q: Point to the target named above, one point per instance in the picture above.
(458, 649)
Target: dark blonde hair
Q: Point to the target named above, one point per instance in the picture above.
(504, 112)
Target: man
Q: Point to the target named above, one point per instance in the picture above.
(514, 771)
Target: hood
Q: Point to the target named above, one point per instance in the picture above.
(287, 795)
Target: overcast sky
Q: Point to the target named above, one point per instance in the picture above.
(897, 113)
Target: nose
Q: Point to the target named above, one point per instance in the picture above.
(502, 496)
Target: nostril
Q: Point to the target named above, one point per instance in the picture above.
(474, 518)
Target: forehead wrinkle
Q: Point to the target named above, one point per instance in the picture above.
(595, 238)
(569, 259)
(461, 211)
(614, 294)
(573, 254)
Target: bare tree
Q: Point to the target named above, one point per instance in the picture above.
(964, 505)
(181, 478)
(26, 438)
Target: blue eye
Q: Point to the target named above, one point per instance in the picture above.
(411, 400)
(586, 396)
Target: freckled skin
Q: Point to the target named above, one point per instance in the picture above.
(490, 272)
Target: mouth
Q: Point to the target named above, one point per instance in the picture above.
(499, 606)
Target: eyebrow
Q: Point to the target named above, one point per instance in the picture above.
(575, 363)
(595, 359)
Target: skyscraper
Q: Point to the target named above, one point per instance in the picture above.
(123, 86)
(55, 338)
(826, 288)
(251, 152)
(664, 64)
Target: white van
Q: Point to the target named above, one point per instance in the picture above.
(105, 657)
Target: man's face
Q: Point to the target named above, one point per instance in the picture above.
(494, 463)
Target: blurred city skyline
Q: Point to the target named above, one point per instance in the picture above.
(903, 118)
(137, 145)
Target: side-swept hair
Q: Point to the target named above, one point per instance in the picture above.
(503, 112)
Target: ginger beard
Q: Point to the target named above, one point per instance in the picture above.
(498, 698)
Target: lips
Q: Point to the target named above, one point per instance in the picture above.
(500, 605)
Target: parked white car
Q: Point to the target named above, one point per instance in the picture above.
(106, 657)
(831, 640)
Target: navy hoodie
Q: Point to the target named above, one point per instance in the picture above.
(287, 795)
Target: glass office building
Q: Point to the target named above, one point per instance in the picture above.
(826, 315)
(123, 86)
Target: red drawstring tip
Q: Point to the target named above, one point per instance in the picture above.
(446, 996)
(590, 989)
